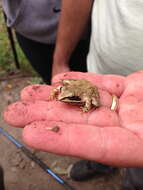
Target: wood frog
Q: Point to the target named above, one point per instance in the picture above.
(78, 92)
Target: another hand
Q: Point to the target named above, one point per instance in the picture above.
(106, 136)
(59, 68)
(60, 63)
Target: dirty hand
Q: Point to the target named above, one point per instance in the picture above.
(103, 135)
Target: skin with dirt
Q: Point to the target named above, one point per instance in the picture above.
(21, 173)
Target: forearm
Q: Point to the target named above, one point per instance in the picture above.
(74, 18)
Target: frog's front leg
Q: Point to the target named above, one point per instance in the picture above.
(54, 93)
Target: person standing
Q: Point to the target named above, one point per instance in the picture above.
(36, 24)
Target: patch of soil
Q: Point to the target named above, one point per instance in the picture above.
(23, 174)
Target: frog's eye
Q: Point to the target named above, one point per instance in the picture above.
(59, 88)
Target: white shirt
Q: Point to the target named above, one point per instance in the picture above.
(117, 37)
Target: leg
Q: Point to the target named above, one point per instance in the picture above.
(39, 55)
(78, 58)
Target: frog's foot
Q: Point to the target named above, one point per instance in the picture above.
(53, 94)
(85, 109)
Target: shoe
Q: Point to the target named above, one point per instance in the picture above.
(1, 179)
(84, 170)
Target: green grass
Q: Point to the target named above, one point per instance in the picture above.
(6, 56)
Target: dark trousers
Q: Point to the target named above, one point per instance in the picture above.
(1, 179)
(133, 179)
(40, 56)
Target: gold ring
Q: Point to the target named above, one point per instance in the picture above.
(114, 103)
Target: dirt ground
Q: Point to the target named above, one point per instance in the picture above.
(22, 174)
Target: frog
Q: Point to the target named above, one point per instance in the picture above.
(78, 92)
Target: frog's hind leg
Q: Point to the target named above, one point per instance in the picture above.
(95, 99)
(87, 106)
(95, 102)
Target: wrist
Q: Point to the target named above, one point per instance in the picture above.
(60, 57)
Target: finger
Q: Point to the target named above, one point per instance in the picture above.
(134, 85)
(43, 92)
(113, 145)
(130, 110)
(76, 75)
(36, 92)
(21, 113)
(136, 128)
(111, 83)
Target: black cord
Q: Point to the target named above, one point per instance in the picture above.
(11, 39)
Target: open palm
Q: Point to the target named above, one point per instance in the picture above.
(103, 135)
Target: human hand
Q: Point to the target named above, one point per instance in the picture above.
(103, 135)
(60, 63)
